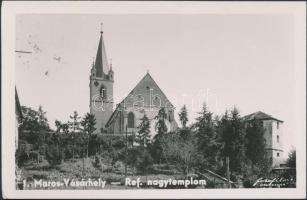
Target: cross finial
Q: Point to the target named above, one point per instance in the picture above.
(147, 71)
(101, 31)
(111, 63)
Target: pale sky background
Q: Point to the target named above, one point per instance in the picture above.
(226, 60)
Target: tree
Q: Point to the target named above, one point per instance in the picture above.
(208, 145)
(232, 137)
(42, 120)
(65, 128)
(291, 161)
(33, 126)
(180, 151)
(255, 142)
(33, 120)
(58, 125)
(183, 116)
(161, 127)
(143, 137)
(75, 123)
(54, 152)
(88, 125)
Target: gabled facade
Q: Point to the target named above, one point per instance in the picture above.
(145, 99)
(273, 135)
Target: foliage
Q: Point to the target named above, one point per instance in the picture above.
(74, 124)
(139, 159)
(179, 151)
(161, 127)
(291, 161)
(54, 153)
(201, 146)
(208, 144)
(88, 126)
(143, 137)
(183, 116)
(255, 142)
(232, 136)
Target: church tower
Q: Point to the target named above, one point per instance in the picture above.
(101, 87)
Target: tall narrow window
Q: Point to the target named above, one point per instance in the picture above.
(277, 126)
(103, 92)
(130, 120)
(277, 154)
(278, 138)
(170, 116)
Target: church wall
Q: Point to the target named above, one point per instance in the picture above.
(151, 113)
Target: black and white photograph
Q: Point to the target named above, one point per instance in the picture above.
(114, 98)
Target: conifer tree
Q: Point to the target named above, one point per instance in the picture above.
(161, 127)
(255, 142)
(75, 123)
(232, 136)
(88, 125)
(208, 146)
(143, 137)
(183, 116)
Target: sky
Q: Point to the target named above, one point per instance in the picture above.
(230, 60)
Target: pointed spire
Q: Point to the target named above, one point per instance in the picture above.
(111, 65)
(101, 63)
(101, 30)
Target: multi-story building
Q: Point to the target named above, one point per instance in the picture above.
(273, 135)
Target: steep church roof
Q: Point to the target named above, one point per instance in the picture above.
(142, 88)
(17, 105)
(101, 62)
(260, 115)
(145, 84)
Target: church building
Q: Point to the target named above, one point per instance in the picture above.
(146, 98)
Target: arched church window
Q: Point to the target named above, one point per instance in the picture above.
(103, 92)
(170, 116)
(130, 120)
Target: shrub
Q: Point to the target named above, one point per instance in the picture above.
(54, 155)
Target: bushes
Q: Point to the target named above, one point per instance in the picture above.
(54, 155)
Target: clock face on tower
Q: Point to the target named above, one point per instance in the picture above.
(96, 83)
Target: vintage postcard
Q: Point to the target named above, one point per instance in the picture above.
(153, 99)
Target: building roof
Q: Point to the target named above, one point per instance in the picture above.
(17, 105)
(101, 62)
(260, 116)
(140, 87)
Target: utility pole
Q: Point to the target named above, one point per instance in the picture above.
(227, 172)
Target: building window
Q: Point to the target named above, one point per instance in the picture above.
(278, 138)
(103, 92)
(277, 154)
(130, 120)
(170, 116)
(277, 126)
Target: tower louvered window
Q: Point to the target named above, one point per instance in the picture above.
(103, 92)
